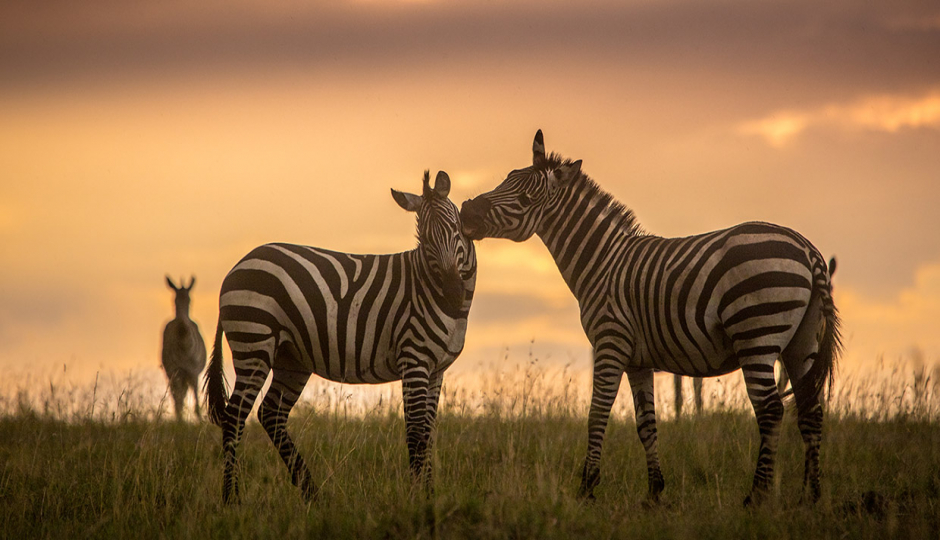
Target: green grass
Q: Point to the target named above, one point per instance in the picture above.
(500, 473)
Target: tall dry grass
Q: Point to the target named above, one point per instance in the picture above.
(108, 461)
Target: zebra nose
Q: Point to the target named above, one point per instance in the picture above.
(472, 214)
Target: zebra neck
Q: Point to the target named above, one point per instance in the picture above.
(583, 230)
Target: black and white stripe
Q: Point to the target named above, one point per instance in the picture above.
(184, 352)
(705, 305)
(294, 310)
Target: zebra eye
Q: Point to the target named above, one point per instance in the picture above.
(524, 200)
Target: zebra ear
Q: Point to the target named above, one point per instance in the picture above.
(407, 201)
(566, 173)
(442, 184)
(169, 282)
(192, 281)
(538, 148)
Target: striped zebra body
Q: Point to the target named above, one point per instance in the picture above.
(184, 352)
(704, 305)
(292, 311)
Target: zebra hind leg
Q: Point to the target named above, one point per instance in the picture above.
(799, 357)
(284, 392)
(768, 408)
(641, 383)
(250, 374)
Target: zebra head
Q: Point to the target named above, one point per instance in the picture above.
(182, 295)
(514, 208)
(448, 254)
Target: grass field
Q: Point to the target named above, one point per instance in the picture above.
(502, 471)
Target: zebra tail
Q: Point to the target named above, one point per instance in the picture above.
(214, 386)
(830, 347)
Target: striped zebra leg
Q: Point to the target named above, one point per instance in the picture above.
(415, 385)
(250, 375)
(607, 376)
(641, 383)
(284, 392)
(809, 350)
(430, 421)
(758, 373)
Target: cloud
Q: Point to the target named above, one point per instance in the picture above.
(884, 113)
(895, 326)
(800, 41)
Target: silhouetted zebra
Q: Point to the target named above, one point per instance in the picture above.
(700, 306)
(697, 387)
(184, 351)
(360, 319)
(696, 394)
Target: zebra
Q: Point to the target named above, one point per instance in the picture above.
(700, 306)
(696, 394)
(184, 351)
(293, 310)
(697, 381)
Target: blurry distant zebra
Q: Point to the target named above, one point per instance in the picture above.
(697, 386)
(361, 319)
(184, 351)
(696, 394)
(699, 306)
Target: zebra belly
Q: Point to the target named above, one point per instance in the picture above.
(718, 360)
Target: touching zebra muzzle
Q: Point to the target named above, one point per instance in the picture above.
(473, 217)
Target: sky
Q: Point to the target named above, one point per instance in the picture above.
(139, 139)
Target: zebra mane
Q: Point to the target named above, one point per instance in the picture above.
(626, 218)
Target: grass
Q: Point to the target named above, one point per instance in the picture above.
(507, 466)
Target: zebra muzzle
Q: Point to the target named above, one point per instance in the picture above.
(453, 290)
(472, 216)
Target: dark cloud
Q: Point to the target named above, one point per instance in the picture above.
(787, 43)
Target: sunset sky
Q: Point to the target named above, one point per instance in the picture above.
(141, 138)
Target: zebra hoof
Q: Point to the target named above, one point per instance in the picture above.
(231, 499)
(310, 493)
(588, 498)
(586, 495)
(755, 499)
(656, 485)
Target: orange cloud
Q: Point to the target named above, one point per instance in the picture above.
(885, 113)
(894, 326)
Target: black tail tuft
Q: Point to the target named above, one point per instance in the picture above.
(215, 387)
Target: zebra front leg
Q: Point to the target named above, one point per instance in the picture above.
(607, 376)
(768, 408)
(284, 392)
(415, 385)
(178, 389)
(430, 420)
(641, 383)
